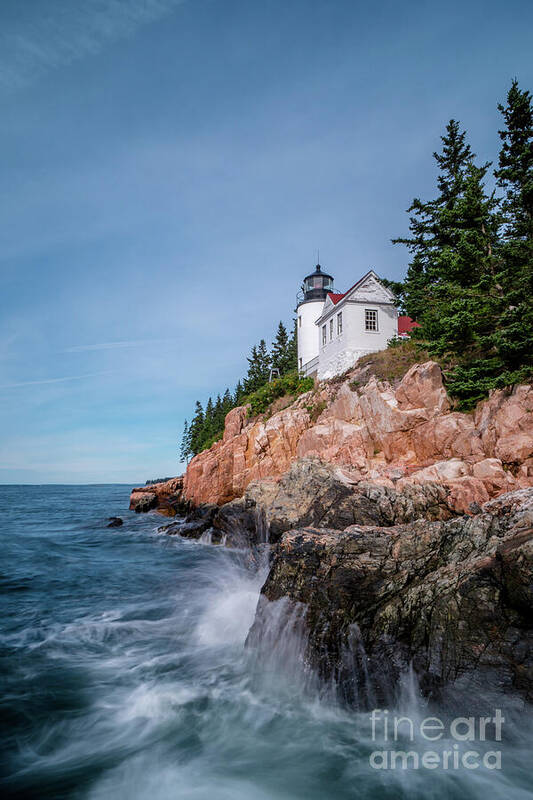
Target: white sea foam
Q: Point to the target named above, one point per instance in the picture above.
(140, 687)
(229, 610)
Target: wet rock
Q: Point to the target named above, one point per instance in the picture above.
(115, 522)
(452, 598)
(241, 524)
(196, 523)
(142, 501)
(167, 498)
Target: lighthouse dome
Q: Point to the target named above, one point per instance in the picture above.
(315, 286)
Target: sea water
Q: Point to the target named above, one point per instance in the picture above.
(124, 674)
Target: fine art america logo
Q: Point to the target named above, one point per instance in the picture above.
(462, 742)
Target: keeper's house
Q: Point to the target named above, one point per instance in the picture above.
(335, 329)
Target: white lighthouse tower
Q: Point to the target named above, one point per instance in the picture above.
(310, 301)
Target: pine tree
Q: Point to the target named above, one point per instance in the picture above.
(196, 429)
(209, 426)
(185, 446)
(218, 415)
(280, 350)
(451, 286)
(429, 223)
(514, 334)
(227, 402)
(264, 362)
(462, 307)
(239, 394)
(258, 367)
(252, 380)
(292, 348)
(515, 173)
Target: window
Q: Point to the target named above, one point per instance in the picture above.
(331, 329)
(339, 323)
(371, 320)
(300, 362)
(300, 321)
(323, 335)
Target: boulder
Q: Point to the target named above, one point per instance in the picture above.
(142, 501)
(166, 497)
(453, 599)
(196, 523)
(421, 387)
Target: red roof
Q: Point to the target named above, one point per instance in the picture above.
(406, 324)
(336, 297)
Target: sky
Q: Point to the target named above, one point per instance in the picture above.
(169, 170)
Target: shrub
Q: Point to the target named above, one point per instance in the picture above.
(290, 384)
(315, 410)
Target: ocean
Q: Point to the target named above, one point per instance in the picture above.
(124, 674)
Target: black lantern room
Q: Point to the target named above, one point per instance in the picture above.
(315, 286)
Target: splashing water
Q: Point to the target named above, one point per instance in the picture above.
(125, 673)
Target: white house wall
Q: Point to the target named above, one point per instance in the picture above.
(342, 351)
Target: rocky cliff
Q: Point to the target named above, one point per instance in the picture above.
(375, 580)
(390, 551)
(391, 436)
(451, 599)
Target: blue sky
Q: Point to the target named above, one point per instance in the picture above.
(169, 170)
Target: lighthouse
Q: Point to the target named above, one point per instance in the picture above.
(310, 301)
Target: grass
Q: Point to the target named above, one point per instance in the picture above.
(390, 364)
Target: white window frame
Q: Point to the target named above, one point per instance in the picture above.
(324, 336)
(331, 329)
(371, 314)
(339, 323)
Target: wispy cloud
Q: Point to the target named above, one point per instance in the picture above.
(82, 348)
(54, 380)
(36, 39)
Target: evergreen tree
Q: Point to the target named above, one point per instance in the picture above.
(218, 415)
(264, 362)
(515, 172)
(514, 334)
(227, 402)
(504, 320)
(252, 380)
(196, 429)
(397, 288)
(185, 447)
(430, 222)
(280, 350)
(239, 394)
(451, 286)
(258, 368)
(209, 426)
(292, 348)
(461, 309)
